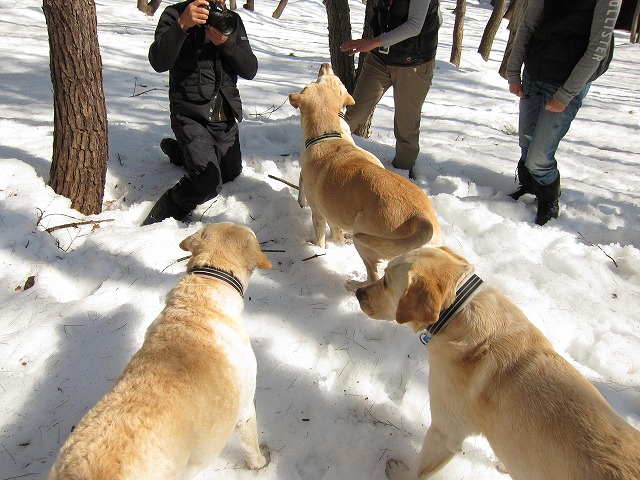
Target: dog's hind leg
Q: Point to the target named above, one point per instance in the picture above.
(248, 433)
(337, 235)
(319, 228)
(371, 261)
(302, 199)
(370, 258)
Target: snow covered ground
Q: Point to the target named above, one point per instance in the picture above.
(337, 393)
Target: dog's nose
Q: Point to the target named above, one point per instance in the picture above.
(360, 293)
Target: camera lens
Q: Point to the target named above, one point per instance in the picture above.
(221, 18)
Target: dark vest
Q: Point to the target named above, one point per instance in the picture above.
(560, 40)
(390, 14)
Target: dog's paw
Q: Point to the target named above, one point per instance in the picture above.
(337, 235)
(396, 470)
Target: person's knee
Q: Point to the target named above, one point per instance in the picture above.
(193, 190)
(208, 184)
(231, 162)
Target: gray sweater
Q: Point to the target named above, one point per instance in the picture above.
(411, 28)
(604, 19)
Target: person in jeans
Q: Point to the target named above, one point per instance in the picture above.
(204, 63)
(403, 56)
(564, 45)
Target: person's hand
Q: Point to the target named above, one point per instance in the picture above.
(215, 35)
(554, 105)
(363, 45)
(194, 14)
(516, 89)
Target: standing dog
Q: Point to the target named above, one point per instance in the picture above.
(326, 74)
(493, 372)
(346, 187)
(191, 384)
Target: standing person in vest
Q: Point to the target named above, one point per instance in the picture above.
(204, 47)
(403, 53)
(564, 45)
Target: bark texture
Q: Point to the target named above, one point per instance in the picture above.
(80, 141)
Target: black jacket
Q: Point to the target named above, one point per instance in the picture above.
(202, 77)
(414, 50)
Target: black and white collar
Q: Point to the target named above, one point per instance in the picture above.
(220, 275)
(324, 136)
(465, 293)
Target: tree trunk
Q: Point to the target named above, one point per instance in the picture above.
(635, 25)
(364, 129)
(232, 5)
(514, 14)
(80, 143)
(279, 9)
(148, 8)
(491, 29)
(249, 5)
(339, 24)
(458, 32)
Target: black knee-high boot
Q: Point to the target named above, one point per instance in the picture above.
(548, 206)
(525, 179)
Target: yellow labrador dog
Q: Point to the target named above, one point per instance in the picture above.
(191, 384)
(346, 187)
(493, 372)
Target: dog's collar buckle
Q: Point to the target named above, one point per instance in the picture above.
(219, 275)
(463, 295)
(321, 138)
(425, 336)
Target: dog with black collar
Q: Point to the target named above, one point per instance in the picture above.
(347, 187)
(191, 383)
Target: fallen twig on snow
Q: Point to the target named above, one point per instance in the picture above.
(76, 224)
(313, 256)
(600, 248)
(283, 181)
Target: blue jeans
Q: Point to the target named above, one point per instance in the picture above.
(541, 130)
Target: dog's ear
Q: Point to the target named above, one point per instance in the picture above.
(294, 99)
(262, 261)
(190, 242)
(444, 248)
(428, 294)
(348, 100)
(419, 303)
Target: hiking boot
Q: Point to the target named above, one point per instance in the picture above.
(171, 149)
(547, 211)
(164, 208)
(395, 164)
(548, 196)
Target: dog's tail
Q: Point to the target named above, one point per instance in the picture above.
(413, 233)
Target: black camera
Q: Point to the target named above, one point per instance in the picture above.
(221, 18)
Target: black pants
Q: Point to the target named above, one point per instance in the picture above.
(211, 157)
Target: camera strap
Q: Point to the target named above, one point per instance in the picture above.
(217, 72)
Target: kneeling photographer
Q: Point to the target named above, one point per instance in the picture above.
(205, 48)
